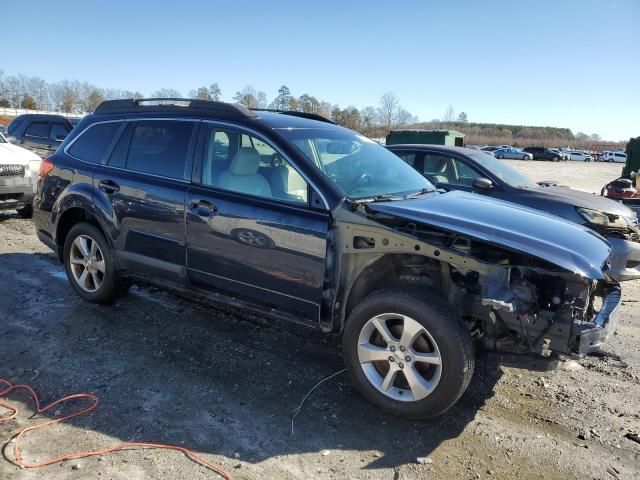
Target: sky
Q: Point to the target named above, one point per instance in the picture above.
(562, 63)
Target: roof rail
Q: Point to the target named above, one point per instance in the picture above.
(293, 113)
(190, 105)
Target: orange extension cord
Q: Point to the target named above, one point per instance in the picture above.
(13, 413)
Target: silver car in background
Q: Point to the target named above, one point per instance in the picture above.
(513, 153)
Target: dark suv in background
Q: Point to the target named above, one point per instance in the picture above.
(542, 153)
(291, 216)
(40, 133)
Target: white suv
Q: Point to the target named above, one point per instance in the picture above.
(617, 157)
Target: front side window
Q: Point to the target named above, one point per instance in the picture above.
(243, 163)
(38, 129)
(160, 147)
(93, 144)
(358, 166)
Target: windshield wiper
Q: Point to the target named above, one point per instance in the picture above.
(422, 191)
(387, 197)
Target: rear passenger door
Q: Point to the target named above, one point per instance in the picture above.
(142, 188)
(251, 232)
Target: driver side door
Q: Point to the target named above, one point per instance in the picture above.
(251, 231)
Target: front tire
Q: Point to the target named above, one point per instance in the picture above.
(408, 356)
(89, 263)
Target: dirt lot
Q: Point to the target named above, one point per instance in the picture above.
(226, 386)
(589, 176)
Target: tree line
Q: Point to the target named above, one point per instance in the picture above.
(72, 96)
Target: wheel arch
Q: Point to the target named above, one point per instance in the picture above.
(402, 271)
(72, 216)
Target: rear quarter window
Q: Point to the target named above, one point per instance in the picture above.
(93, 145)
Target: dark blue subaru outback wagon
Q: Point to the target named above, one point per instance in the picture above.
(294, 217)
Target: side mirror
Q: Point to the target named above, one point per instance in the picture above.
(12, 139)
(483, 183)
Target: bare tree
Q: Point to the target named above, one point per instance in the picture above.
(214, 92)
(388, 109)
(251, 98)
(166, 93)
(449, 114)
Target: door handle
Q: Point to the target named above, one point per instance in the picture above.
(204, 207)
(109, 186)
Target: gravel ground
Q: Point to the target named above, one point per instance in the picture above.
(226, 384)
(587, 176)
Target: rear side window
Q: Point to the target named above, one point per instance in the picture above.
(93, 144)
(161, 147)
(58, 131)
(38, 129)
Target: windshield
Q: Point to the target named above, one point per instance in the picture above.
(2, 139)
(503, 171)
(360, 167)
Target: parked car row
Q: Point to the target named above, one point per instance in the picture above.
(415, 261)
(539, 153)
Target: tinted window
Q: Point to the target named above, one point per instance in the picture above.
(58, 130)
(242, 163)
(38, 129)
(93, 144)
(160, 147)
(409, 158)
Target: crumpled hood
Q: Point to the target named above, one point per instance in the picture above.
(12, 154)
(547, 237)
(580, 199)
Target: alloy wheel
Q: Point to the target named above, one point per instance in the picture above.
(399, 357)
(254, 239)
(87, 263)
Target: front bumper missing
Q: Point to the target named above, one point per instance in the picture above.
(625, 259)
(595, 334)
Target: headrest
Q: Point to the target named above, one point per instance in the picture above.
(245, 162)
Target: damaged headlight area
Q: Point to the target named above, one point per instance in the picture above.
(603, 219)
(537, 311)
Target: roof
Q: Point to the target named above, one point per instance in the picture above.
(214, 110)
(43, 116)
(438, 148)
(289, 120)
(437, 131)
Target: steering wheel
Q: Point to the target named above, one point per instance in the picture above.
(360, 181)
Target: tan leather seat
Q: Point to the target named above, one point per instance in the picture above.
(242, 175)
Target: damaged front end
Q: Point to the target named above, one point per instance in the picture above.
(538, 311)
(522, 282)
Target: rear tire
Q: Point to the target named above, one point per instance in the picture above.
(554, 159)
(413, 384)
(89, 263)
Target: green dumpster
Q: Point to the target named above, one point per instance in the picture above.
(433, 137)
